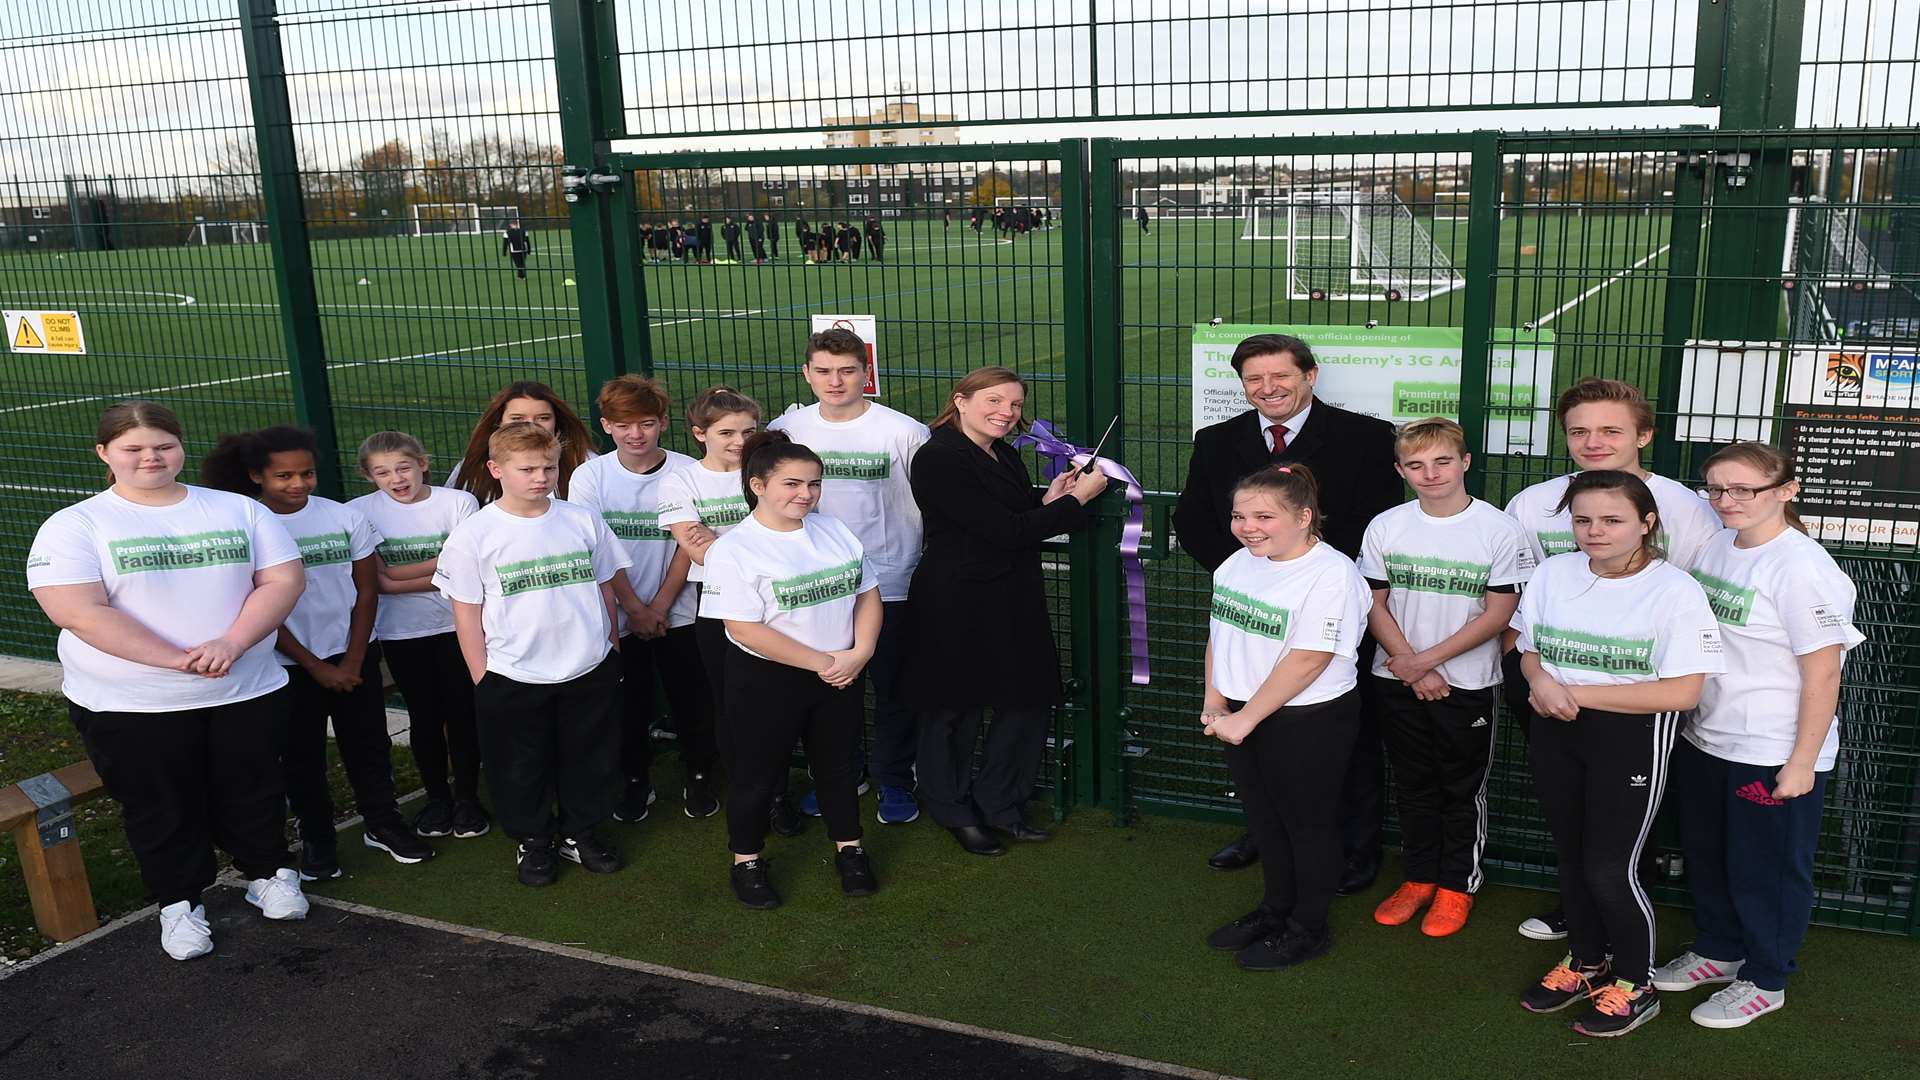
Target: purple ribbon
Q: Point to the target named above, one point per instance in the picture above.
(1059, 455)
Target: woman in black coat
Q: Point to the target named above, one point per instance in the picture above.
(978, 632)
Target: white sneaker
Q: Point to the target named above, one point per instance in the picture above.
(184, 932)
(1738, 1005)
(1690, 969)
(279, 896)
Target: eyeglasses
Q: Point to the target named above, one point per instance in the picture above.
(1738, 492)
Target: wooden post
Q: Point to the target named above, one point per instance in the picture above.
(57, 883)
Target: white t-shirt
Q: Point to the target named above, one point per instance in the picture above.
(183, 571)
(538, 583)
(1686, 521)
(412, 533)
(864, 483)
(1776, 603)
(629, 503)
(1263, 610)
(1594, 631)
(330, 537)
(1440, 569)
(714, 499)
(802, 583)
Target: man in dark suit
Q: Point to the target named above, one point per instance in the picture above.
(1352, 458)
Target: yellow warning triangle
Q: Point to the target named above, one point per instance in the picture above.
(25, 338)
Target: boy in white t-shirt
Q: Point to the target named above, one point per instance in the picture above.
(1444, 571)
(530, 579)
(656, 601)
(867, 449)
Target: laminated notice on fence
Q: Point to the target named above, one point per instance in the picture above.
(1397, 373)
(867, 329)
(45, 332)
(1853, 427)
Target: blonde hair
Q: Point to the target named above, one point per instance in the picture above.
(390, 442)
(1771, 460)
(519, 438)
(1424, 432)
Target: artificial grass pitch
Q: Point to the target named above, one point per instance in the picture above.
(1096, 939)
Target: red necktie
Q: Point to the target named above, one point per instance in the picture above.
(1279, 441)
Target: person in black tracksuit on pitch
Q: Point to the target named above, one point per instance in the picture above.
(730, 232)
(517, 245)
(876, 239)
(1140, 215)
(757, 238)
(704, 233)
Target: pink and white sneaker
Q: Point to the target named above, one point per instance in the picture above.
(1738, 1005)
(1690, 969)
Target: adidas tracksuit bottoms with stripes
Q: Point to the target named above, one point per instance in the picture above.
(1749, 861)
(1440, 752)
(1599, 779)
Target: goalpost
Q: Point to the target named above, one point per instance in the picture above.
(1350, 244)
(1172, 202)
(460, 219)
(205, 233)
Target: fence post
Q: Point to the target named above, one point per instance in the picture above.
(1683, 287)
(1098, 588)
(585, 62)
(1483, 262)
(287, 237)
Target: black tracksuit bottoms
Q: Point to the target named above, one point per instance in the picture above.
(188, 781)
(675, 659)
(548, 742)
(1441, 751)
(769, 705)
(1599, 780)
(360, 731)
(1289, 773)
(951, 792)
(433, 678)
(1749, 861)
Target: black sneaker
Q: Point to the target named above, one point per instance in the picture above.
(786, 821)
(1284, 949)
(634, 802)
(1246, 930)
(700, 799)
(394, 838)
(856, 872)
(590, 853)
(470, 820)
(434, 819)
(1618, 1008)
(318, 861)
(535, 859)
(1565, 984)
(751, 887)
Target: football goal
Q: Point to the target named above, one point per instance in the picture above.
(1351, 244)
(460, 219)
(1825, 249)
(206, 233)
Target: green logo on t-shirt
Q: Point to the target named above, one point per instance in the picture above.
(547, 572)
(635, 524)
(1450, 577)
(718, 513)
(1730, 602)
(819, 587)
(324, 549)
(855, 465)
(405, 550)
(1594, 652)
(1555, 543)
(1244, 613)
(191, 551)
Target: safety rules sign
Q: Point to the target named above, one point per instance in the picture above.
(45, 332)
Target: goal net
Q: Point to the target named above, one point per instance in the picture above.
(1350, 245)
(445, 219)
(495, 219)
(1825, 248)
(219, 233)
(1022, 200)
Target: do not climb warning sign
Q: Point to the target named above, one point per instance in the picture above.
(45, 332)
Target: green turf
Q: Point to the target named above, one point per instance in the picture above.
(1095, 939)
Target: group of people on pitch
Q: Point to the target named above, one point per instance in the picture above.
(527, 610)
(1649, 638)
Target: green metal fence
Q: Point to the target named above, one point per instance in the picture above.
(268, 211)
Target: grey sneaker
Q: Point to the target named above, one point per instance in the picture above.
(1690, 969)
(1738, 1005)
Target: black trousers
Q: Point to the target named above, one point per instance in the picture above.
(192, 780)
(432, 676)
(551, 742)
(1441, 752)
(360, 731)
(759, 250)
(675, 660)
(519, 263)
(1599, 780)
(771, 705)
(950, 791)
(733, 248)
(1288, 772)
(1363, 793)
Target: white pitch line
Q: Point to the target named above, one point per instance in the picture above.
(1576, 301)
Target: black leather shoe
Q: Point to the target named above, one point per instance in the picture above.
(1022, 832)
(786, 821)
(976, 840)
(1246, 930)
(1358, 876)
(1236, 856)
(1285, 949)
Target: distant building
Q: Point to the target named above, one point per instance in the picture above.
(897, 123)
